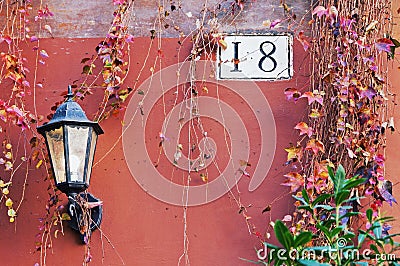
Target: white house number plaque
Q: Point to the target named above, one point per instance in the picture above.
(256, 57)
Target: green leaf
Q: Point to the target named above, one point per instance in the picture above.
(354, 182)
(341, 196)
(390, 236)
(369, 213)
(283, 234)
(302, 239)
(300, 199)
(336, 231)
(332, 175)
(395, 42)
(374, 248)
(325, 230)
(321, 198)
(349, 235)
(268, 245)
(305, 196)
(353, 199)
(304, 207)
(87, 70)
(312, 263)
(340, 178)
(377, 229)
(325, 207)
(349, 214)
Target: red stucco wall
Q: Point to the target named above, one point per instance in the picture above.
(143, 230)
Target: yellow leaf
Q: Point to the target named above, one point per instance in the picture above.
(2, 184)
(223, 44)
(8, 155)
(244, 163)
(371, 26)
(266, 23)
(65, 217)
(8, 165)
(5, 191)
(294, 152)
(12, 219)
(9, 202)
(204, 177)
(39, 164)
(8, 146)
(123, 97)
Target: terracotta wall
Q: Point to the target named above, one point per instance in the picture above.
(392, 154)
(143, 230)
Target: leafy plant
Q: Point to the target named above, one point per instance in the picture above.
(341, 246)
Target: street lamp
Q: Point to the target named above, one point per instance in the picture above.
(71, 143)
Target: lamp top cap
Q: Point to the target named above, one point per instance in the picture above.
(69, 95)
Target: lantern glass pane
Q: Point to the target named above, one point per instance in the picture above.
(91, 155)
(77, 146)
(55, 142)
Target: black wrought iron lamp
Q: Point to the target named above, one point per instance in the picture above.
(71, 142)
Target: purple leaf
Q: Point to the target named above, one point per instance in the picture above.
(274, 23)
(384, 44)
(44, 54)
(387, 196)
(34, 39)
(367, 93)
(129, 38)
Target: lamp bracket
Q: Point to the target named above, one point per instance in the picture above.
(86, 213)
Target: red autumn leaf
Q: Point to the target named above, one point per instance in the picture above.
(384, 44)
(292, 93)
(304, 129)
(294, 181)
(118, 2)
(379, 159)
(302, 39)
(311, 97)
(320, 11)
(315, 145)
(5, 38)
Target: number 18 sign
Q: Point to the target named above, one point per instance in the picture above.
(256, 57)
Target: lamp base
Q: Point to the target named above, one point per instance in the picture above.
(86, 213)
